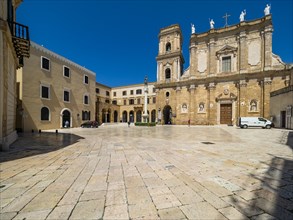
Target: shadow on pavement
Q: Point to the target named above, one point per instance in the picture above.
(274, 198)
(30, 144)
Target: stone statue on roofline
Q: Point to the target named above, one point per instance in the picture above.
(192, 29)
(242, 15)
(212, 23)
(267, 10)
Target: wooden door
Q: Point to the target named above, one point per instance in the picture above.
(226, 114)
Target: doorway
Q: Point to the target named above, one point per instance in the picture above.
(283, 119)
(66, 119)
(226, 114)
(167, 112)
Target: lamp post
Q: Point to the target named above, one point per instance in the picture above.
(146, 90)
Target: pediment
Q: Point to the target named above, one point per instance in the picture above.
(227, 50)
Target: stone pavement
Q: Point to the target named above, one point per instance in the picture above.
(163, 172)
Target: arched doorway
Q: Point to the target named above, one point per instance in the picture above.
(115, 116)
(153, 116)
(167, 114)
(131, 116)
(124, 116)
(138, 116)
(104, 115)
(109, 115)
(66, 118)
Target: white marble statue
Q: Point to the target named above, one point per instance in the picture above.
(192, 29)
(267, 9)
(212, 23)
(242, 15)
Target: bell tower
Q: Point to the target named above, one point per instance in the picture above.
(170, 59)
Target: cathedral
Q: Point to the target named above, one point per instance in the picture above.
(231, 74)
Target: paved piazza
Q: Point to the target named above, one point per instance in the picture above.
(163, 172)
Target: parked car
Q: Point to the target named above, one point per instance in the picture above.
(90, 124)
(245, 122)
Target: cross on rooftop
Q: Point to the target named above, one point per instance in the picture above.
(226, 19)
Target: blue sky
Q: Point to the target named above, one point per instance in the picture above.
(118, 40)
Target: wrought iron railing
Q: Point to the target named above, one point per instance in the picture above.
(21, 40)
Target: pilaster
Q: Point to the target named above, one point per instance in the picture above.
(192, 101)
(268, 47)
(243, 54)
(212, 57)
(193, 60)
(211, 106)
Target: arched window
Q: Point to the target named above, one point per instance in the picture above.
(138, 116)
(168, 46)
(45, 113)
(168, 73)
(253, 105)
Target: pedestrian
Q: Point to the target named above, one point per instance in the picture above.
(128, 123)
(188, 122)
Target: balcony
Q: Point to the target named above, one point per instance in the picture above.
(20, 39)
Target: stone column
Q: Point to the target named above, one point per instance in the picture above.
(212, 57)
(192, 107)
(243, 55)
(178, 69)
(268, 48)
(243, 105)
(177, 110)
(192, 60)
(211, 105)
(266, 97)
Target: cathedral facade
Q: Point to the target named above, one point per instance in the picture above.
(231, 74)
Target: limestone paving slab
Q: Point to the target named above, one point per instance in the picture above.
(162, 172)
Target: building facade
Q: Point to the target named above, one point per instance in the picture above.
(14, 46)
(130, 100)
(107, 111)
(54, 92)
(231, 74)
(281, 105)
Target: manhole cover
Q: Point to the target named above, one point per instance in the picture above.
(207, 142)
(169, 167)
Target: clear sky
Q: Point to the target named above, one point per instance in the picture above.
(118, 40)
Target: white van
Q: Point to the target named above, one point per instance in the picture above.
(245, 122)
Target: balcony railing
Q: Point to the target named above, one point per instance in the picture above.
(20, 38)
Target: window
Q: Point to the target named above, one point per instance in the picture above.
(168, 47)
(45, 114)
(148, 100)
(154, 90)
(107, 93)
(167, 94)
(124, 101)
(86, 99)
(131, 101)
(114, 94)
(86, 79)
(45, 92)
(167, 73)
(86, 115)
(154, 100)
(107, 101)
(226, 64)
(138, 101)
(45, 63)
(138, 91)
(66, 96)
(124, 93)
(131, 92)
(97, 90)
(114, 102)
(66, 72)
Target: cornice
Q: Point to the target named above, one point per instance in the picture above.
(260, 76)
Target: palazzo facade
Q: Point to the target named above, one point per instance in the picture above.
(231, 74)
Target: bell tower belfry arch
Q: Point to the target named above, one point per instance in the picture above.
(170, 59)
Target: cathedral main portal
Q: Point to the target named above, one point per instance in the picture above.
(226, 114)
